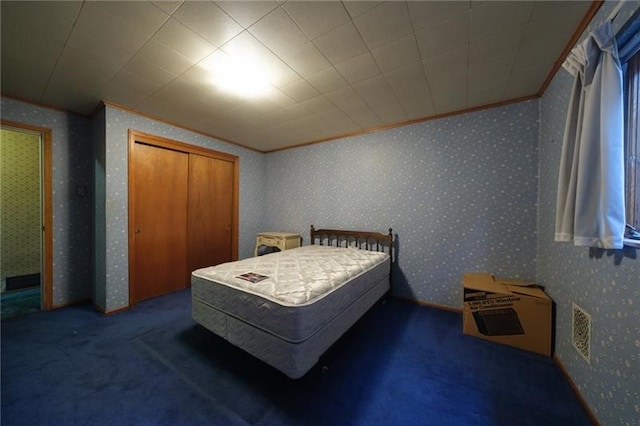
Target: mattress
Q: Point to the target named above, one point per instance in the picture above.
(304, 290)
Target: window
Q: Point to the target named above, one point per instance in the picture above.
(632, 141)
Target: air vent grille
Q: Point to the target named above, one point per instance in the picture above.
(581, 332)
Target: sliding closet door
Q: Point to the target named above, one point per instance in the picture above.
(160, 220)
(211, 188)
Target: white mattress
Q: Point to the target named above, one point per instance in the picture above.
(306, 288)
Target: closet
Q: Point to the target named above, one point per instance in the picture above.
(183, 213)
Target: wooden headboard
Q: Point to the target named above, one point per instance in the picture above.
(365, 240)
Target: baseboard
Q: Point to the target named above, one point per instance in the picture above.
(574, 387)
(431, 305)
(67, 304)
(109, 312)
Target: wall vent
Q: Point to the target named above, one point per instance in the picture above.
(581, 332)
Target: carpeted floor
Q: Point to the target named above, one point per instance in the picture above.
(402, 364)
(19, 302)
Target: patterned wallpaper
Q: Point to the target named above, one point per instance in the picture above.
(72, 167)
(20, 201)
(606, 284)
(460, 194)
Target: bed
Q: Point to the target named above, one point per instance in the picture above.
(287, 308)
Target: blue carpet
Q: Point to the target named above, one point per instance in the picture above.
(401, 364)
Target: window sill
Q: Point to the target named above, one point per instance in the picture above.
(631, 243)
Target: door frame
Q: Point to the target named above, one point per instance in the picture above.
(46, 203)
(160, 142)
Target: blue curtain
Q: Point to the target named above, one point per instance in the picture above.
(628, 38)
(590, 201)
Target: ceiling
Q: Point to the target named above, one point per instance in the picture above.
(333, 68)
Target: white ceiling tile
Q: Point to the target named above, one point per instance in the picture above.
(29, 45)
(551, 27)
(539, 45)
(277, 99)
(209, 21)
(163, 103)
(567, 10)
(251, 111)
(98, 24)
(317, 17)
(80, 67)
(279, 33)
(452, 61)
(373, 87)
(197, 75)
(25, 76)
(318, 104)
(341, 44)
(52, 21)
(504, 43)
(71, 96)
(164, 57)
(128, 89)
(183, 40)
(291, 112)
(103, 48)
(327, 80)
(386, 22)
(448, 34)
(526, 80)
(307, 61)
(408, 82)
(387, 109)
(168, 6)
(247, 13)
(357, 8)
(300, 90)
(492, 17)
(186, 89)
(358, 68)
(487, 81)
(343, 96)
(424, 13)
(149, 71)
(417, 107)
(397, 54)
(142, 16)
(340, 122)
(360, 113)
(449, 91)
(541, 36)
(222, 102)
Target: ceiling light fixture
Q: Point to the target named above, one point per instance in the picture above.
(241, 75)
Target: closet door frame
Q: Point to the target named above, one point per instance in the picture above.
(160, 142)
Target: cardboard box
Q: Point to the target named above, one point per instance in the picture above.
(511, 312)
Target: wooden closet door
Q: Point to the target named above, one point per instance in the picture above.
(160, 228)
(211, 186)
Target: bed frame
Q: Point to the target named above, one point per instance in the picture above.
(364, 240)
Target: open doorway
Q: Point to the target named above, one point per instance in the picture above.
(25, 243)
